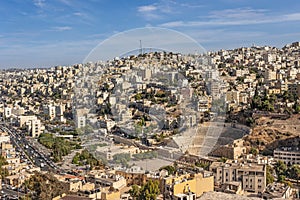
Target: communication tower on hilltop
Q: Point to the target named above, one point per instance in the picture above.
(141, 47)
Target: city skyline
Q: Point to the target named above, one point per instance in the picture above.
(42, 33)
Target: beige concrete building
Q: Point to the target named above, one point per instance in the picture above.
(187, 186)
(252, 176)
(32, 123)
(232, 96)
(4, 137)
(288, 155)
(231, 151)
(269, 75)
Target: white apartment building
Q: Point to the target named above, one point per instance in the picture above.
(50, 110)
(80, 118)
(288, 155)
(4, 137)
(32, 123)
(7, 112)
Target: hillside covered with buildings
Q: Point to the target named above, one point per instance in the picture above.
(158, 125)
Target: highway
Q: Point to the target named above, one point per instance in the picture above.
(29, 151)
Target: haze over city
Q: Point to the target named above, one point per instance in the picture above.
(43, 33)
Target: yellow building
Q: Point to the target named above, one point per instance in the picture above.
(186, 184)
(110, 194)
(274, 90)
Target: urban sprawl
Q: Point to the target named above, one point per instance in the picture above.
(158, 125)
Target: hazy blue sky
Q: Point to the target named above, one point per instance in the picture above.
(41, 33)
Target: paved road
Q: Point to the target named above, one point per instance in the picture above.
(10, 194)
(34, 155)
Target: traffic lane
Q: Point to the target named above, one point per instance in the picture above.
(35, 156)
(11, 193)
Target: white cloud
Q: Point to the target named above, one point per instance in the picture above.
(39, 3)
(157, 10)
(62, 28)
(232, 17)
(147, 8)
(292, 17)
(79, 14)
(238, 13)
(187, 5)
(149, 12)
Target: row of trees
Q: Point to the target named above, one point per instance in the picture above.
(283, 171)
(266, 102)
(60, 147)
(145, 155)
(85, 157)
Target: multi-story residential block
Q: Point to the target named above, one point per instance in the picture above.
(288, 155)
(80, 118)
(233, 97)
(134, 175)
(50, 110)
(251, 175)
(32, 123)
(270, 75)
(4, 137)
(7, 112)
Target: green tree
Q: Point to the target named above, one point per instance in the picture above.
(138, 96)
(45, 186)
(122, 158)
(294, 172)
(281, 170)
(150, 190)
(135, 191)
(3, 171)
(253, 151)
(281, 178)
(203, 165)
(171, 169)
(269, 175)
(223, 159)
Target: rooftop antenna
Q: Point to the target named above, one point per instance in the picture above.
(141, 47)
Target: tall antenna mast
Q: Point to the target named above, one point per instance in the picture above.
(141, 47)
